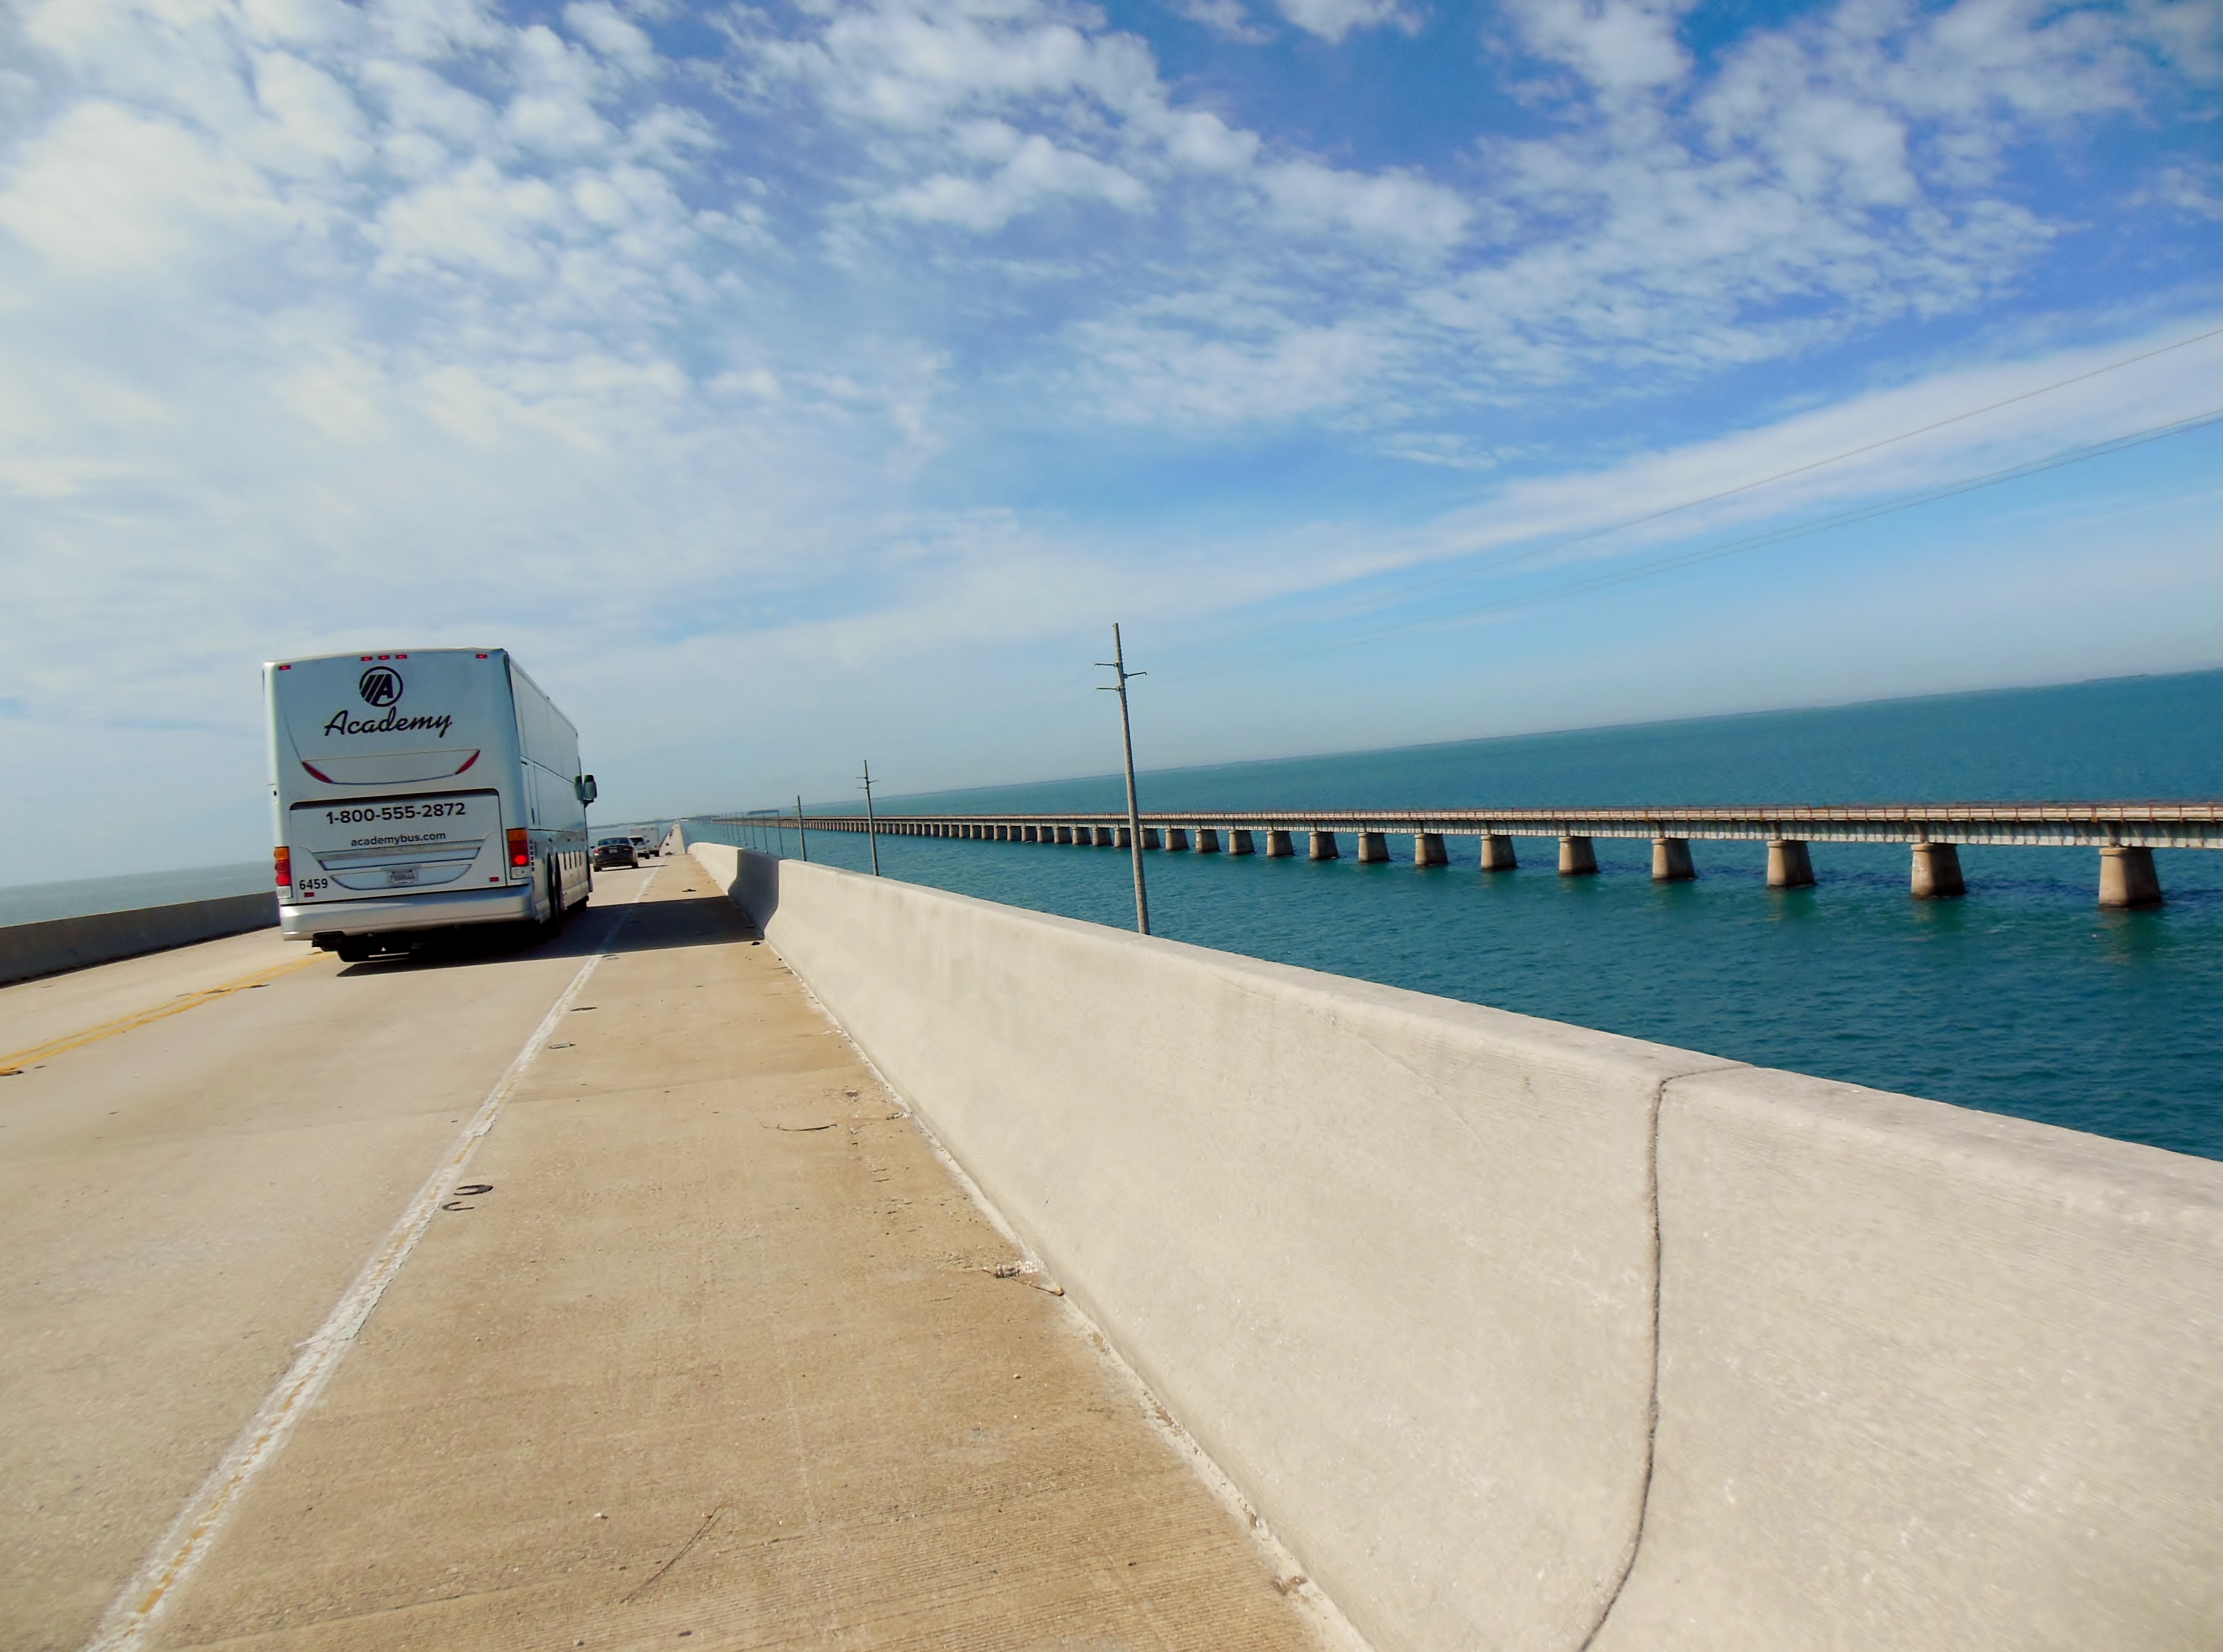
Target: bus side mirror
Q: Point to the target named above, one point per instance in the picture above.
(585, 786)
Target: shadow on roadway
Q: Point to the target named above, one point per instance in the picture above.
(697, 915)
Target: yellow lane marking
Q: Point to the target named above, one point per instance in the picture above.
(16, 1062)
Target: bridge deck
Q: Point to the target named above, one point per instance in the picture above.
(723, 1354)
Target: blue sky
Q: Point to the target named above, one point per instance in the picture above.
(790, 383)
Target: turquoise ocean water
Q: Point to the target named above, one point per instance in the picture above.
(2023, 997)
(35, 903)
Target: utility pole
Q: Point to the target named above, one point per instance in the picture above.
(1119, 664)
(801, 847)
(871, 827)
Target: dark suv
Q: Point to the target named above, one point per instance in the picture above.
(615, 851)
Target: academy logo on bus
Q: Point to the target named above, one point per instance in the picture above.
(381, 689)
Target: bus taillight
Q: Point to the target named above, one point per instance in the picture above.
(284, 859)
(520, 852)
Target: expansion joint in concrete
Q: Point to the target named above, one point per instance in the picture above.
(1652, 1394)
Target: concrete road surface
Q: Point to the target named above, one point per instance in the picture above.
(722, 1359)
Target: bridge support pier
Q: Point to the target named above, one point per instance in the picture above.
(1497, 853)
(1176, 837)
(1278, 847)
(1937, 873)
(1104, 838)
(1207, 840)
(1152, 838)
(1670, 860)
(1121, 840)
(1578, 857)
(1323, 848)
(2127, 878)
(1061, 834)
(1240, 841)
(1789, 865)
(1428, 849)
(1373, 848)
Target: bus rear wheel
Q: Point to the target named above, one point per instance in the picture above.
(552, 925)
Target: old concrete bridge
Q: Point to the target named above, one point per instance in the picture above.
(2125, 834)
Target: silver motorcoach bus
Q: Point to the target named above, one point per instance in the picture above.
(417, 792)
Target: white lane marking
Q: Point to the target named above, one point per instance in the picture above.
(132, 1615)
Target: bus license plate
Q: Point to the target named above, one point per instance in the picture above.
(401, 877)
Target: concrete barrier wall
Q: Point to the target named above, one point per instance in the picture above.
(1420, 1275)
(1928, 1377)
(44, 949)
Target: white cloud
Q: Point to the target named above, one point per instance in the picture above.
(1200, 140)
(1616, 44)
(313, 122)
(1379, 207)
(902, 65)
(417, 101)
(109, 191)
(1826, 177)
(475, 216)
(621, 42)
(1333, 19)
(433, 31)
(2196, 192)
(1032, 171)
(1151, 374)
(1225, 18)
(1877, 445)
